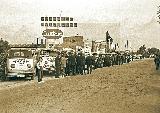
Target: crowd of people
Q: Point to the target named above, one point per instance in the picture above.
(79, 64)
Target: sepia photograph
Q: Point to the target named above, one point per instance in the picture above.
(80, 56)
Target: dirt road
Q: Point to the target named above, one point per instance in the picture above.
(130, 88)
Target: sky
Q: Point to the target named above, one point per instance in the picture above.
(84, 10)
(17, 13)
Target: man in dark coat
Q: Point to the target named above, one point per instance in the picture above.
(39, 69)
(107, 61)
(89, 63)
(157, 61)
(80, 63)
(72, 63)
(58, 65)
(94, 62)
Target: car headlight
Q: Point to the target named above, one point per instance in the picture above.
(29, 65)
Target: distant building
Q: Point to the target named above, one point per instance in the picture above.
(87, 48)
(73, 41)
(69, 29)
(54, 30)
(99, 46)
(41, 42)
(103, 46)
(53, 37)
(23, 45)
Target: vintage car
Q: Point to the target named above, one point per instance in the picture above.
(20, 63)
(48, 60)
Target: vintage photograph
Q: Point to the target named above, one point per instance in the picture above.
(80, 56)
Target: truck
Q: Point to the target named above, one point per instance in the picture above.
(48, 60)
(20, 63)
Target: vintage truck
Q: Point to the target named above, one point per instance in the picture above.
(20, 63)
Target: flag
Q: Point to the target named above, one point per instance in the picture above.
(127, 43)
(107, 36)
(115, 46)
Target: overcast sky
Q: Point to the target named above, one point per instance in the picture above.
(83, 10)
(19, 13)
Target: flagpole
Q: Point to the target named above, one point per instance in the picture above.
(109, 44)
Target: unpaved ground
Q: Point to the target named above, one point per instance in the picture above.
(130, 88)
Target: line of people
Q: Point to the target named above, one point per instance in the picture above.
(71, 64)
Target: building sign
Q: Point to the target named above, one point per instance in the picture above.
(58, 22)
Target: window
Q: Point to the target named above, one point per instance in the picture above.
(42, 18)
(75, 24)
(54, 25)
(58, 24)
(71, 19)
(50, 18)
(63, 24)
(50, 24)
(71, 24)
(62, 18)
(18, 54)
(67, 24)
(42, 24)
(67, 18)
(46, 24)
(46, 18)
(58, 18)
(54, 18)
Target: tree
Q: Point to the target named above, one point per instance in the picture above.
(4, 47)
(158, 14)
(153, 51)
(142, 50)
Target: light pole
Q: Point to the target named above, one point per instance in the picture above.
(60, 18)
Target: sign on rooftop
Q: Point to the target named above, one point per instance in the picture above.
(58, 22)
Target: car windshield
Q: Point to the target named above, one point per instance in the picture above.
(20, 53)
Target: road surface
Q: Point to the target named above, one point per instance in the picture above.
(130, 88)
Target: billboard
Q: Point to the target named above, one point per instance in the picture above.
(58, 22)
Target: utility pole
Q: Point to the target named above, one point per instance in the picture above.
(60, 17)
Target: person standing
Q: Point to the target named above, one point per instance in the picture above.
(94, 62)
(157, 61)
(71, 63)
(64, 64)
(58, 65)
(80, 63)
(89, 64)
(40, 69)
(107, 62)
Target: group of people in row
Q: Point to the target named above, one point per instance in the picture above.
(74, 64)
